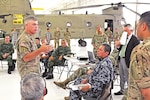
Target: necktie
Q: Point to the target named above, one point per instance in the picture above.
(123, 49)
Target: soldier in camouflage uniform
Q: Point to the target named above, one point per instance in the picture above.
(109, 34)
(139, 74)
(56, 37)
(28, 59)
(57, 57)
(6, 51)
(67, 36)
(98, 39)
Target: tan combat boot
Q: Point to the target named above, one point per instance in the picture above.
(62, 84)
(66, 98)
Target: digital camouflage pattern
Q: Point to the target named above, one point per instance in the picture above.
(26, 44)
(60, 51)
(109, 35)
(7, 48)
(99, 39)
(102, 74)
(67, 36)
(139, 76)
(56, 38)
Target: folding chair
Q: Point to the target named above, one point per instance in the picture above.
(3, 63)
(61, 68)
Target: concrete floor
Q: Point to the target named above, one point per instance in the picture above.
(10, 83)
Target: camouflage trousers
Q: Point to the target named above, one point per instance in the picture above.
(9, 59)
(80, 72)
(55, 62)
(56, 43)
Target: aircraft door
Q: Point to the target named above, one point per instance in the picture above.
(108, 23)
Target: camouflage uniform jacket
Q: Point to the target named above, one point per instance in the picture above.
(6, 48)
(98, 39)
(109, 34)
(67, 35)
(61, 51)
(26, 44)
(56, 35)
(139, 75)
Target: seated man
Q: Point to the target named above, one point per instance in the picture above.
(84, 71)
(101, 75)
(6, 51)
(33, 87)
(45, 57)
(57, 57)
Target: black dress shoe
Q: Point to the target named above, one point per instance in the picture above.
(50, 77)
(44, 74)
(118, 93)
(9, 72)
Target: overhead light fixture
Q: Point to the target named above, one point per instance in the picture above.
(68, 24)
(48, 24)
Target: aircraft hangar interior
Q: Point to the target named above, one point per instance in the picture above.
(80, 18)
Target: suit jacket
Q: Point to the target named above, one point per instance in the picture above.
(131, 44)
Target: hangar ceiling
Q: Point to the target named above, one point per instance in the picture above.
(51, 5)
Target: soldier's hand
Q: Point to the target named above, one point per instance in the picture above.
(7, 54)
(51, 58)
(4, 55)
(89, 71)
(46, 48)
(60, 57)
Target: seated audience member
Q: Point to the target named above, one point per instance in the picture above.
(101, 75)
(57, 58)
(45, 57)
(33, 87)
(6, 51)
(84, 71)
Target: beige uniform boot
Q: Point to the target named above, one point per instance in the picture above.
(62, 84)
(66, 98)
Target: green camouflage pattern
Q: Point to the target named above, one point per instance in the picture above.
(60, 51)
(7, 48)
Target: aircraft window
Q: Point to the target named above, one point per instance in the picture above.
(48, 24)
(88, 24)
(69, 24)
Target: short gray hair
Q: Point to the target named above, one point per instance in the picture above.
(32, 87)
(30, 18)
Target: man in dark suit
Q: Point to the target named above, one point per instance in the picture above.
(124, 55)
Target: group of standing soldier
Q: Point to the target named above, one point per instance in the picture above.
(57, 33)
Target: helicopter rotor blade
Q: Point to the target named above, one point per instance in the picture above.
(144, 3)
(82, 7)
(119, 4)
(132, 10)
